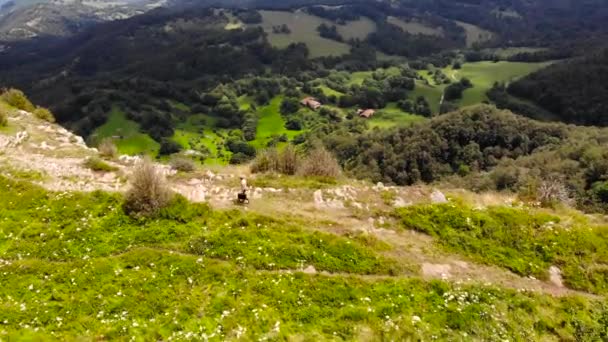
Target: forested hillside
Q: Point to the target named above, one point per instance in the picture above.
(576, 90)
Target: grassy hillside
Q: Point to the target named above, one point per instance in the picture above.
(88, 271)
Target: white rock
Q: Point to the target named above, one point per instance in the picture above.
(310, 270)
(555, 276)
(438, 197)
(401, 203)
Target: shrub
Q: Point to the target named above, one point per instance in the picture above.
(99, 165)
(107, 149)
(266, 161)
(44, 114)
(182, 164)
(3, 117)
(320, 163)
(289, 160)
(149, 192)
(17, 99)
(286, 161)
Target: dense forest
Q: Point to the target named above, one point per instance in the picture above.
(576, 91)
(481, 148)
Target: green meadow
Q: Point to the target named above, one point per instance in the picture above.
(392, 116)
(271, 124)
(126, 135)
(485, 74)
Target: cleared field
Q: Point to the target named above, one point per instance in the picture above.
(485, 74)
(431, 93)
(303, 30)
(126, 134)
(358, 29)
(271, 124)
(475, 34)
(415, 27)
(393, 116)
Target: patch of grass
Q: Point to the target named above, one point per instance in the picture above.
(415, 27)
(474, 34)
(485, 74)
(392, 116)
(271, 124)
(431, 93)
(357, 29)
(274, 244)
(303, 28)
(329, 91)
(99, 165)
(524, 241)
(127, 135)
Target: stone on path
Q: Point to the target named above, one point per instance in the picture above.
(555, 276)
(437, 197)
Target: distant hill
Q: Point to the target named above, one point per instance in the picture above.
(30, 19)
(576, 91)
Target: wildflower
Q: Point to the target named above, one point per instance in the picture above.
(415, 319)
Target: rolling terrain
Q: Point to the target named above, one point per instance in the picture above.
(308, 258)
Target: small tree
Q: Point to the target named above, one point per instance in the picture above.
(182, 164)
(107, 149)
(149, 192)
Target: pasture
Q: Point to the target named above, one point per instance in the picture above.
(303, 28)
(126, 135)
(414, 26)
(475, 34)
(271, 124)
(393, 116)
(485, 74)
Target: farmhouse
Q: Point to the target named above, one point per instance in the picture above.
(311, 103)
(366, 113)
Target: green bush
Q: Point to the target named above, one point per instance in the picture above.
(149, 192)
(44, 114)
(99, 165)
(182, 164)
(287, 161)
(3, 117)
(17, 99)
